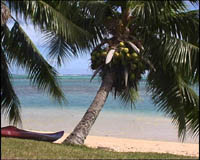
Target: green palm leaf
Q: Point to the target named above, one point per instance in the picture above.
(58, 48)
(176, 52)
(176, 99)
(74, 34)
(160, 18)
(21, 50)
(128, 96)
(52, 16)
(10, 105)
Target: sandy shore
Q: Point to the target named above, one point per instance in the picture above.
(136, 145)
(132, 145)
(153, 128)
(156, 134)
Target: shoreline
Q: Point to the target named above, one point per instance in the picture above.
(128, 126)
(136, 145)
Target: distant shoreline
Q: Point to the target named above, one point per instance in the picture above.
(58, 75)
(23, 76)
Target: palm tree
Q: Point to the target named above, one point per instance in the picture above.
(158, 37)
(64, 37)
(128, 38)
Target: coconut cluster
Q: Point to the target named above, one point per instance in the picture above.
(125, 59)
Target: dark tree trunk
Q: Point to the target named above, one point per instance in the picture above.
(81, 131)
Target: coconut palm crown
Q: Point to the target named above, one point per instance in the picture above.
(127, 39)
(155, 37)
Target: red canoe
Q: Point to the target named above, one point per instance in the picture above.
(14, 132)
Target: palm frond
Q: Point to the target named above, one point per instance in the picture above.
(179, 53)
(59, 48)
(21, 50)
(80, 42)
(150, 11)
(47, 15)
(10, 105)
(184, 25)
(99, 10)
(194, 2)
(175, 98)
(96, 72)
(165, 18)
(128, 96)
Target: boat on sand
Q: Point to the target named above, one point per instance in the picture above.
(11, 131)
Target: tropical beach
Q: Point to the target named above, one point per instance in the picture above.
(136, 145)
(118, 127)
(100, 79)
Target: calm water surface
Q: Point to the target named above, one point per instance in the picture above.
(40, 112)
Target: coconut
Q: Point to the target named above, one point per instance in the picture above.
(116, 54)
(121, 49)
(126, 50)
(134, 55)
(104, 53)
(121, 44)
(128, 55)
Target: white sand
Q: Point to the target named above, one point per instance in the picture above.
(134, 133)
(132, 145)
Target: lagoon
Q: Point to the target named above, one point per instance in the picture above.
(143, 121)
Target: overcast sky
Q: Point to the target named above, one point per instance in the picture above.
(75, 66)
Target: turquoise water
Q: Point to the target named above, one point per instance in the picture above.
(80, 92)
(40, 112)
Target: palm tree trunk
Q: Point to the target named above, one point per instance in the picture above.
(5, 14)
(81, 131)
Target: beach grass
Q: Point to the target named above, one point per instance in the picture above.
(30, 149)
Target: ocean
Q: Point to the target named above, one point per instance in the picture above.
(40, 112)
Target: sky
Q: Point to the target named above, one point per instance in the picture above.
(79, 65)
(75, 66)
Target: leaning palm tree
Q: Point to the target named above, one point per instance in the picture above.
(18, 48)
(155, 37)
(133, 37)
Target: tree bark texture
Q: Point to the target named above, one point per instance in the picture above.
(5, 14)
(81, 131)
